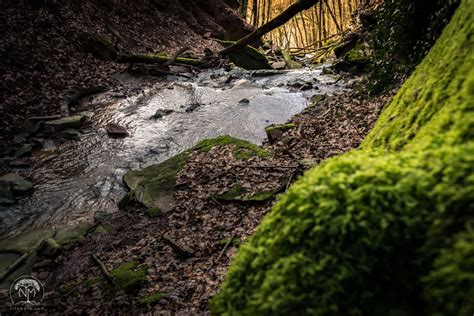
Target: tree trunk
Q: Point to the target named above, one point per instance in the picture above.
(281, 19)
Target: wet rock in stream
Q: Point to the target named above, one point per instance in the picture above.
(161, 112)
(116, 131)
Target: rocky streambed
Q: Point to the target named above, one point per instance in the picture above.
(82, 178)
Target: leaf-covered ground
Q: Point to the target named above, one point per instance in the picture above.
(208, 227)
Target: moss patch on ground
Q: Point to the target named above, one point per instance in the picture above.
(152, 298)
(128, 277)
(386, 229)
(154, 186)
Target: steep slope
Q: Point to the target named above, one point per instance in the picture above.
(386, 229)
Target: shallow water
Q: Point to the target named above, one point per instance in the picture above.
(79, 179)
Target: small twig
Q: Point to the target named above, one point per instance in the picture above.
(289, 181)
(104, 270)
(180, 249)
(13, 267)
(269, 166)
(222, 252)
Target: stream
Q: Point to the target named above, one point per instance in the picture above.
(80, 179)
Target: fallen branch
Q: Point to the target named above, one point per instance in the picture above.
(181, 250)
(104, 270)
(222, 252)
(268, 166)
(160, 59)
(279, 20)
(175, 55)
(13, 267)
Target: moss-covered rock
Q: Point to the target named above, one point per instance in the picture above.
(48, 248)
(154, 186)
(386, 229)
(160, 59)
(248, 57)
(275, 132)
(127, 277)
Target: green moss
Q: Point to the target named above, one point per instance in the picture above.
(127, 277)
(152, 298)
(154, 186)
(160, 59)
(248, 57)
(385, 229)
(281, 127)
(233, 194)
(154, 212)
(358, 54)
(91, 282)
(67, 287)
(236, 242)
(72, 234)
(243, 149)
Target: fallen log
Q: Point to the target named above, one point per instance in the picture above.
(279, 20)
(18, 263)
(160, 59)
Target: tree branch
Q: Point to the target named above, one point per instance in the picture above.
(279, 20)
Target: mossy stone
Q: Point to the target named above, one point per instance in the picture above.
(155, 185)
(128, 277)
(248, 57)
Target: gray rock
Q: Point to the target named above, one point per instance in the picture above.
(161, 112)
(18, 185)
(24, 151)
(64, 123)
(192, 107)
(6, 195)
(71, 134)
(116, 131)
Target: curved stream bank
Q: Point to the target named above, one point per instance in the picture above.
(80, 179)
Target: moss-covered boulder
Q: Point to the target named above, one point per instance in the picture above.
(154, 186)
(128, 277)
(248, 57)
(386, 229)
(275, 132)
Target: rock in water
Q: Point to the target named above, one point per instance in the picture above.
(71, 134)
(24, 151)
(64, 123)
(192, 107)
(161, 112)
(116, 131)
(11, 185)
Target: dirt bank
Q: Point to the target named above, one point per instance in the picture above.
(42, 56)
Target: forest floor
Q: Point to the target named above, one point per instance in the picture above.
(42, 56)
(178, 259)
(181, 275)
